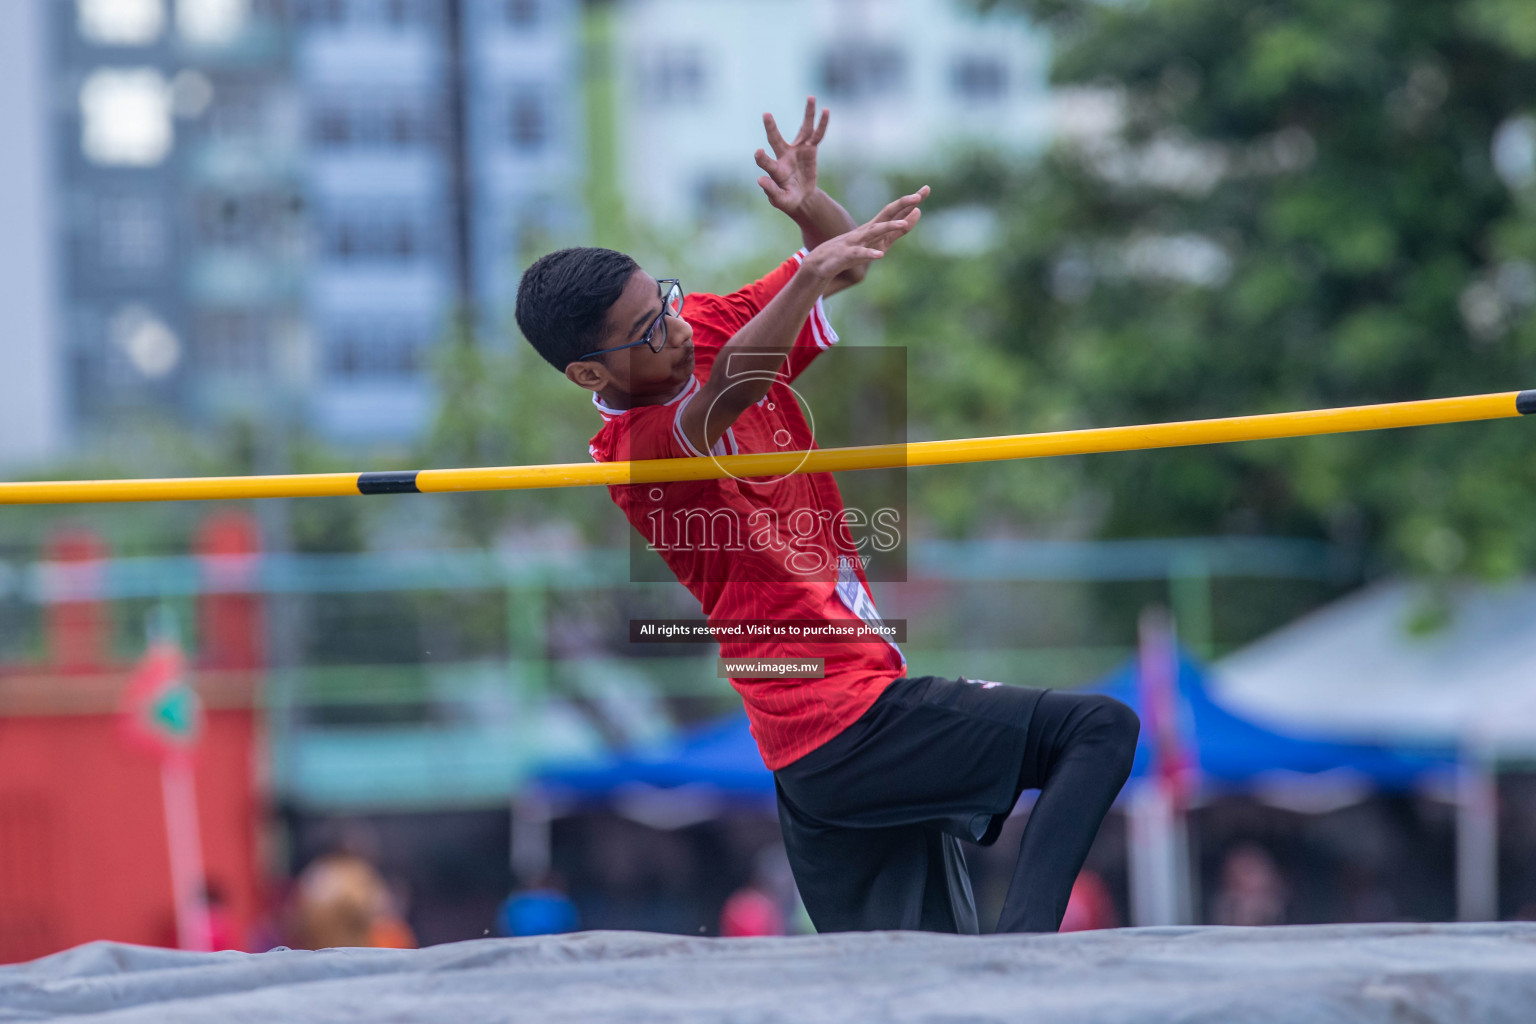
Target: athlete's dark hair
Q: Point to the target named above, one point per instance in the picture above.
(564, 299)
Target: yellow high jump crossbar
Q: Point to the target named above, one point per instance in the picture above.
(884, 456)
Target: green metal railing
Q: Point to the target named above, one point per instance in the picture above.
(470, 732)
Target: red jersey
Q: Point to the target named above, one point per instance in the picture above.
(759, 549)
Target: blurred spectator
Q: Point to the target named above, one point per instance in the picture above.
(269, 931)
(222, 933)
(1365, 898)
(391, 932)
(1252, 891)
(772, 875)
(340, 899)
(750, 911)
(541, 909)
(1090, 906)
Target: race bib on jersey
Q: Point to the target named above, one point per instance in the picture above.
(856, 599)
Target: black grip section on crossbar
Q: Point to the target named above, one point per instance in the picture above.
(388, 483)
(1525, 402)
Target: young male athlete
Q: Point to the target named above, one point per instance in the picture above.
(879, 775)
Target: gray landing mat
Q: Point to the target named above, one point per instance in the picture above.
(1317, 973)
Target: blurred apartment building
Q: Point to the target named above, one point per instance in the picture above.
(908, 81)
(31, 395)
(274, 209)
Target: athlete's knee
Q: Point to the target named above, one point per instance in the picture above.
(1116, 727)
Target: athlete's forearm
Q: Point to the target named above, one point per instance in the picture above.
(820, 218)
(747, 365)
(768, 338)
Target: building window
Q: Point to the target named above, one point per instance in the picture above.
(125, 117)
(401, 13)
(404, 126)
(247, 219)
(223, 221)
(332, 126)
(321, 12)
(980, 78)
(211, 22)
(527, 121)
(857, 71)
(235, 110)
(522, 13)
(675, 76)
(375, 349)
(270, 12)
(130, 233)
(399, 122)
(120, 22)
(375, 233)
(231, 342)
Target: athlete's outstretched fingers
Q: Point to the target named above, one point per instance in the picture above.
(770, 189)
(771, 166)
(897, 226)
(775, 138)
(898, 207)
(808, 123)
(890, 238)
(877, 232)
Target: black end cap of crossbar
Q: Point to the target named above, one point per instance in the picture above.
(388, 483)
(1525, 402)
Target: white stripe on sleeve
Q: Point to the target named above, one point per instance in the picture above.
(826, 337)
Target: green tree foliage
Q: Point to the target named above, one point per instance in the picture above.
(501, 405)
(1259, 206)
(149, 445)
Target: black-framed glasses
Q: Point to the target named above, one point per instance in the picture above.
(671, 305)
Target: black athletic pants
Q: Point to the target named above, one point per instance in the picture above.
(873, 818)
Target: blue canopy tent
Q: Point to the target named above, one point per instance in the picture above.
(715, 763)
(1233, 751)
(704, 773)
(719, 762)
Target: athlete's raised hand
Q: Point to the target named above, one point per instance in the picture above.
(791, 171)
(870, 240)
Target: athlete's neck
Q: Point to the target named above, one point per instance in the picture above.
(613, 398)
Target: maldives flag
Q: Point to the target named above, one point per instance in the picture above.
(1162, 707)
(161, 711)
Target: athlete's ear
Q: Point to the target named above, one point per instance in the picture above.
(589, 374)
